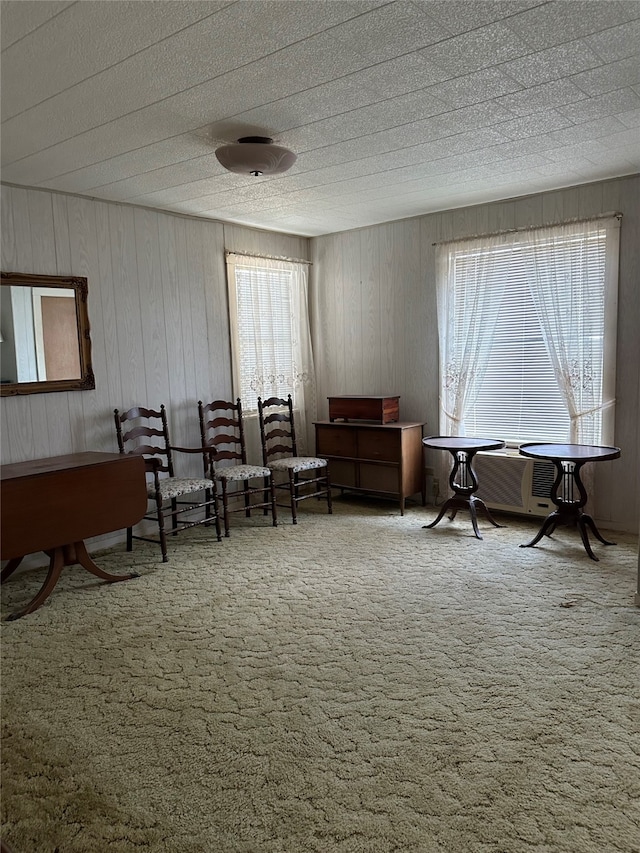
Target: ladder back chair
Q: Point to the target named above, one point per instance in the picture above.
(280, 454)
(146, 432)
(222, 428)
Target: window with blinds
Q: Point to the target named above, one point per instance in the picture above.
(519, 398)
(265, 333)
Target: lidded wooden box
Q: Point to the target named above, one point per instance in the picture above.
(357, 407)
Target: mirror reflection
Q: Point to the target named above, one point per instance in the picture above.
(44, 334)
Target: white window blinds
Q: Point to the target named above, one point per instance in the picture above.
(265, 333)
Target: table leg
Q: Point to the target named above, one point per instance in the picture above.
(444, 508)
(474, 518)
(480, 503)
(66, 555)
(586, 519)
(458, 502)
(10, 568)
(548, 526)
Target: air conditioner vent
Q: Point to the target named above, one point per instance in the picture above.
(500, 479)
(544, 473)
(516, 484)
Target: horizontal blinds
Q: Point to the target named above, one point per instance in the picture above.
(264, 310)
(519, 399)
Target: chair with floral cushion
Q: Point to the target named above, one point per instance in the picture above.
(222, 428)
(146, 432)
(280, 454)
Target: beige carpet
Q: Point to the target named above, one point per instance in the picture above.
(355, 683)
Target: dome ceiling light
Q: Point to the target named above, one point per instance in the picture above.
(255, 155)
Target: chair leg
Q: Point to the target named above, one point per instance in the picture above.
(161, 530)
(329, 504)
(174, 517)
(293, 492)
(271, 487)
(225, 506)
(212, 495)
(129, 538)
(247, 502)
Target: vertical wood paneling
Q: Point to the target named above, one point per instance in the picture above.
(426, 353)
(173, 329)
(102, 290)
(416, 323)
(190, 348)
(527, 211)
(370, 277)
(86, 411)
(352, 311)
(387, 380)
(9, 264)
(198, 312)
(217, 308)
(320, 276)
(128, 310)
(154, 345)
(24, 445)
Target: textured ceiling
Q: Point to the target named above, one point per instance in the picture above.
(394, 108)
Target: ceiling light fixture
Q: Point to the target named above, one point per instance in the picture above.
(255, 155)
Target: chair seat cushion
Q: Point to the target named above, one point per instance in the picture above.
(297, 463)
(242, 472)
(174, 487)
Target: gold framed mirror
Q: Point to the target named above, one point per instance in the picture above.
(45, 342)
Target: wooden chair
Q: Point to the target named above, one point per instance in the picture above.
(280, 454)
(133, 428)
(222, 428)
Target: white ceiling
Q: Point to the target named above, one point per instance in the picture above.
(393, 108)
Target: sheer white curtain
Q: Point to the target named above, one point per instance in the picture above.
(271, 340)
(468, 295)
(573, 273)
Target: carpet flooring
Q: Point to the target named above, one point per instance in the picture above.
(352, 684)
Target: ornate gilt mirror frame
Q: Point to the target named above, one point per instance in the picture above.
(25, 336)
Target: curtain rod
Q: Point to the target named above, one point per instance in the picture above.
(267, 257)
(616, 213)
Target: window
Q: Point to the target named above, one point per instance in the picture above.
(270, 338)
(527, 334)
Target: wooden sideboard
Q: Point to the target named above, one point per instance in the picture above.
(382, 459)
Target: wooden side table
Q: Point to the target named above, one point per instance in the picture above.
(463, 478)
(569, 459)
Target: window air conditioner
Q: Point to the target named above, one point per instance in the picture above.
(513, 483)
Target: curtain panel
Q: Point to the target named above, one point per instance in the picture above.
(270, 335)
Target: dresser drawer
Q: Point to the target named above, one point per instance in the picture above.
(379, 444)
(343, 473)
(336, 441)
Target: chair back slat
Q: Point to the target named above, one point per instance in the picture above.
(221, 427)
(147, 432)
(140, 412)
(152, 423)
(277, 426)
(219, 423)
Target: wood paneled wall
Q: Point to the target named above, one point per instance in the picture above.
(157, 307)
(375, 325)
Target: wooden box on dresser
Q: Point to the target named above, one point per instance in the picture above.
(382, 459)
